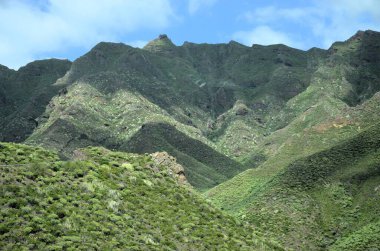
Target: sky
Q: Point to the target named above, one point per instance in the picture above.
(39, 29)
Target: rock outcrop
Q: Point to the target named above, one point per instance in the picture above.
(163, 158)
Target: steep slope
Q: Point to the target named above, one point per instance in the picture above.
(115, 89)
(238, 100)
(366, 238)
(251, 84)
(174, 81)
(315, 120)
(249, 193)
(316, 200)
(205, 166)
(306, 120)
(24, 95)
(107, 200)
(349, 75)
(90, 116)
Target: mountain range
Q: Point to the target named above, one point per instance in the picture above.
(284, 141)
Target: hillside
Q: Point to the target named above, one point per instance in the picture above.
(326, 117)
(233, 98)
(284, 140)
(113, 90)
(107, 200)
(313, 201)
(205, 166)
(25, 93)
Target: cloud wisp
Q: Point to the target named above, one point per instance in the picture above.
(263, 35)
(326, 21)
(195, 5)
(28, 30)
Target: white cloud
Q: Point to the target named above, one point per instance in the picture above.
(137, 43)
(328, 20)
(354, 7)
(341, 19)
(26, 30)
(272, 13)
(195, 5)
(263, 35)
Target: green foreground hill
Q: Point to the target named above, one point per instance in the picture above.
(107, 201)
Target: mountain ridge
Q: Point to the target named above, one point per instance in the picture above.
(242, 121)
(210, 94)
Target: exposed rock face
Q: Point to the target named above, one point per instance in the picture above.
(163, 158)
(163, 36)
(78, 154)
(162, 44)
(241, 109)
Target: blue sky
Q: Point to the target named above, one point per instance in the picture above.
(38, 29)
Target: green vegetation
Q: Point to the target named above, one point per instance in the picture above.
(317, 183)
(218, 95)
(205, 166)
(325, 198)
(17, 154)
(107, 200)
(25, 94)
(284, 140)
(367, 238)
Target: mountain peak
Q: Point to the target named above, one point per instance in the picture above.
(163, 37)
(364, 35)
(160, 44)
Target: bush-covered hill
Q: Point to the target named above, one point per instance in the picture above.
(329, 199)
(107, 201)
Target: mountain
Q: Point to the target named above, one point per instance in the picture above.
(25, 93)
(282, 139)
(211, 93)
(330, 141)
